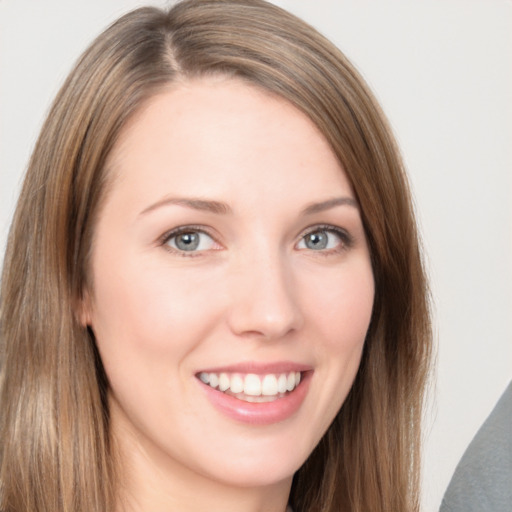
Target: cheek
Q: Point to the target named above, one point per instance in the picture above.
(148, 318)
(136, 302)
(145, 320)
(341, 307)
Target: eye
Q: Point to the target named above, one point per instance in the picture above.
(189, 240)
(324, 238)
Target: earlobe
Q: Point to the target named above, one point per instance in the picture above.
(83, 310)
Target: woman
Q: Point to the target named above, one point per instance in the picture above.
(213, 293)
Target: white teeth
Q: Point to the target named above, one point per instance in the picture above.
(223, 382)
(252, 387)
(281, 383)
(290, 381)
(269, 385)
(237, 384)
(214, 380)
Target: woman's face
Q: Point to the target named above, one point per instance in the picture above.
(229, 262)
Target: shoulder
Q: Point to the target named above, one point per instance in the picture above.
(483, 477)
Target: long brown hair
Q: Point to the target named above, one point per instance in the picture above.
(54, 425)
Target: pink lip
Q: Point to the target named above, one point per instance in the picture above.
(259, 368)
(264, 413)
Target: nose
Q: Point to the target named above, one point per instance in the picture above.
(265, 302)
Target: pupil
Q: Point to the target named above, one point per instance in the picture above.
(187, 241)
(316, 241)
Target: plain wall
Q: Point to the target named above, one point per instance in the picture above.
(442, 72)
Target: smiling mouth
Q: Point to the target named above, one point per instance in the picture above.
(251, 387)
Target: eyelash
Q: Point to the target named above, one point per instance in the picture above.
(345, 238)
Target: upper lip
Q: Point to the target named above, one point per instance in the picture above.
(259, 368)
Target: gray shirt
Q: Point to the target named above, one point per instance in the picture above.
(482, 481)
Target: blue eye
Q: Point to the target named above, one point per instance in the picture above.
(190, 241)
(322, 239)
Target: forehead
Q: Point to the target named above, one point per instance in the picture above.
(223, 137)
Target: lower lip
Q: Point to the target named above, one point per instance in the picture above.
(264, 413)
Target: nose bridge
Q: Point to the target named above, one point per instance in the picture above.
(265, 301)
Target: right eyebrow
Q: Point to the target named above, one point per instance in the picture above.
(191, 202)
(330, 203)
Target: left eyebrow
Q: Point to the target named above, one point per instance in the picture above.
(328, 204)
(193, 203)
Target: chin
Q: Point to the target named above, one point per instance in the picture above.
(263, 476)
(258, 471)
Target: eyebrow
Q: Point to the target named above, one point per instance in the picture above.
(328, 204)
(194, 203)
(224, 209)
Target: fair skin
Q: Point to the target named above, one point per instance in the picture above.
(230, 244)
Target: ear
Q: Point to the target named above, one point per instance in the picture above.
(83, 309)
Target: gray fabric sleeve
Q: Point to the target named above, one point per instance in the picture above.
(482, 481)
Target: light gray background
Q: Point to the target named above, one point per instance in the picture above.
(442, 70)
